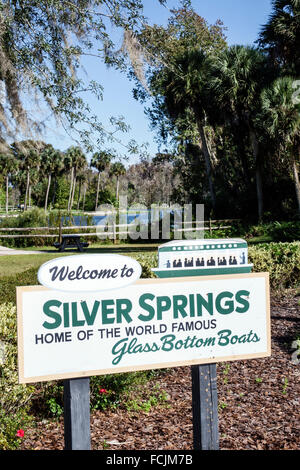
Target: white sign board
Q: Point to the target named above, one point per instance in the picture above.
(153, 323)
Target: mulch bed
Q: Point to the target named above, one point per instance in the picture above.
(258, 403)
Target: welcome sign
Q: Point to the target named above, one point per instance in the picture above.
(89, 273)
(152, 323)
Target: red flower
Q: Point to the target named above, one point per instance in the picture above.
(20, 433)
(102, 390)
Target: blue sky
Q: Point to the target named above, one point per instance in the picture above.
(243, 20)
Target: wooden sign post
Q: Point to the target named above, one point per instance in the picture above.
(77, 414)
(205, 407)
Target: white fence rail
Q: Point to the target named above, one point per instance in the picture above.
(114, 232)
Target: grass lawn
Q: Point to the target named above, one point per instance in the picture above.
(13, 264)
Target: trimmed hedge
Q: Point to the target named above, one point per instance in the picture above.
(281, 260)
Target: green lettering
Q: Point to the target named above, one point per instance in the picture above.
(163, 304)
(167, 342)
(192, 305)
(223, 337)
(206, 303)
(209, 342)
(90, 317)
(179, 304)
(52, 314)
(106, 311)
(75, 321)
(66, 315)
(229, 303)
(119, 349)
(240, 300)
(124, 306)
(145, 306)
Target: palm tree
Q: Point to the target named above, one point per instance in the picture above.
(100, 161)
(8, 165)
(82, 179)
(51, 162)
(117, 169)
(185, 101)
(27, 153)
(281, 35)
(237, 77)
(280, 120)
(75, 160)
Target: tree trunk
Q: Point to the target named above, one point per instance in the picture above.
(258, 174)
(208, 165)
(84, 193)
(97, 195)
(79, 194)
(296, 182)
(73, 192)
(6, 199)
(47, 192)
(242, 156)
(27, 190)
(117, 192)
(71, 188)
(54, 190)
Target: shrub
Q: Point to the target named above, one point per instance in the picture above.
(275, 231)
(112, 390)
(281, 260)
(147, 261)
(8, 284)
(14, 397)
(31, 218)
(285, 231)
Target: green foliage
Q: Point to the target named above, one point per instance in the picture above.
(31, 218)
(41, 48)
(8, 284)
(133, 391)
(114, 390)
(147, 261)
(2, 198)
(285, 231)
(281, 260)
(61, 193)
(14, 398)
